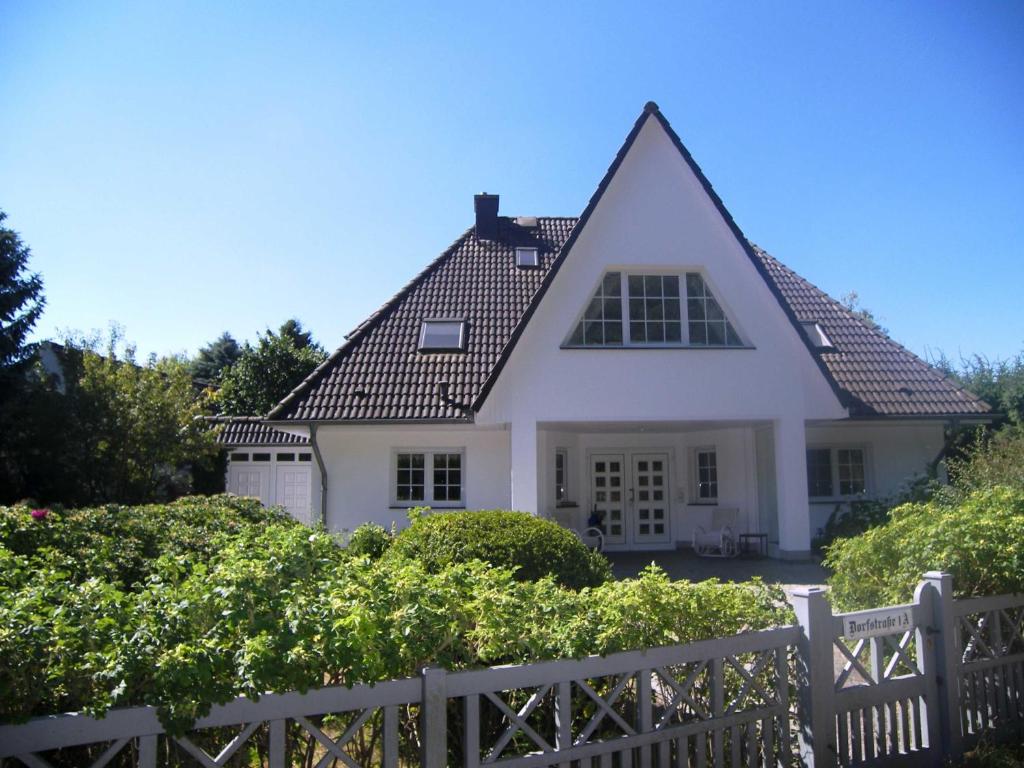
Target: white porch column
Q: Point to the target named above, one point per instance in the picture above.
(791, 487)
(523, 451)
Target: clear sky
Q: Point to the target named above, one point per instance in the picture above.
(189, 168)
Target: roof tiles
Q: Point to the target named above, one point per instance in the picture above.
(380, 375)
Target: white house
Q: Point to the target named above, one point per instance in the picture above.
(640, 365)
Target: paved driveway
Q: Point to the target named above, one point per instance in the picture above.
(686, 565)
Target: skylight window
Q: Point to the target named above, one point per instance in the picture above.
(527, 257)
(442, 336)
(819, 339)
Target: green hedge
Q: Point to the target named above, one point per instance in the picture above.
(274, 606)
(979, 539)
(530, 546)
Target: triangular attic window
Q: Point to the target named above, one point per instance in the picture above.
(654, 310)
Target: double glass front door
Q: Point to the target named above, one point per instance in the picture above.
(630, 495)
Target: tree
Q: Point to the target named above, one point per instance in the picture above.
(300, 337)
(120, 431)
(219, 354)
(21, 304)
(851, 301)
(265, 373)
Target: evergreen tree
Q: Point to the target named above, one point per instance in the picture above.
(21, 304)
(212, 359)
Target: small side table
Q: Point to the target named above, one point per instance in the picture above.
(760, 541)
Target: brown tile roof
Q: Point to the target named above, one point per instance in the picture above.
(379, 374)
(252, 430)
(879, 376)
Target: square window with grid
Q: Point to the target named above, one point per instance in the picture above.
(707, 475)
(707, 323)
(601, 325)
(654, 311)
(447, 476)
(850, 462)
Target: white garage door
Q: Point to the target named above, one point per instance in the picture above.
(250, 481)
(293, 490)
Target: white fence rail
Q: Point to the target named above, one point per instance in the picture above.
(903, 685)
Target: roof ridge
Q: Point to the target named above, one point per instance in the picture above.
(363, 328)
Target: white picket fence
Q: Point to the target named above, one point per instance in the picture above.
(912, 690)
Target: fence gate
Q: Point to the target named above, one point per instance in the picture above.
(871, 682)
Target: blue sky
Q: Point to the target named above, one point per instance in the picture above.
(188, 168)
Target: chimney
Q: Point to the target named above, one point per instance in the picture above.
(486, 207)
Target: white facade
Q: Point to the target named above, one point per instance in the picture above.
(652, 439)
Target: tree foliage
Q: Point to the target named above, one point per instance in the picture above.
(219, 354)
(115, 430)
(21, 304)
(266, 372)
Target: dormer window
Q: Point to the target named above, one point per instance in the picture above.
(527, 257)
(443, 335)
(818, 338)
(654, 310)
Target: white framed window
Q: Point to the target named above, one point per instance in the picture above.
(654, 310)
(527, 257)
(561, 475)
(428, 477)
(239, 456)
(705, 461)
(836, 472)
(442, 335)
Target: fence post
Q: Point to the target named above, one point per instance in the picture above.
(816, 677)
(434, 718)
(947, 673)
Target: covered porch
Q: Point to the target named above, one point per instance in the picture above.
(649, 485)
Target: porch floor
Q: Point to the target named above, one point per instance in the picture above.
(684, 564)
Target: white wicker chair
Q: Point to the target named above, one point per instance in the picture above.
(721, 539)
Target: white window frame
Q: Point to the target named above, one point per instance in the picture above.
(697, 499)
(834, 449)
(428, 479)
(527, 257)
(684, 319)
(460, 347)
(562, 453)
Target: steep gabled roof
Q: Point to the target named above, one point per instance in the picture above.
(380, 376)
(879, 376)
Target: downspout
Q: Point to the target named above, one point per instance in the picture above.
(323, 475)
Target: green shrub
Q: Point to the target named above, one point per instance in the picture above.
(369, 540)
(528, 545)
(276, 607)
(120, 543)
(979, 539)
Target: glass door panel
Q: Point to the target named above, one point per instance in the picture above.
(650, 498)
(607, 496)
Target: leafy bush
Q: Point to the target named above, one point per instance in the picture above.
(531, 546)
(995, 459)
(121, 543)
(271, 606)
(979, 539)
(369, 540)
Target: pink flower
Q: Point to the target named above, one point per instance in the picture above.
(39, 514)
